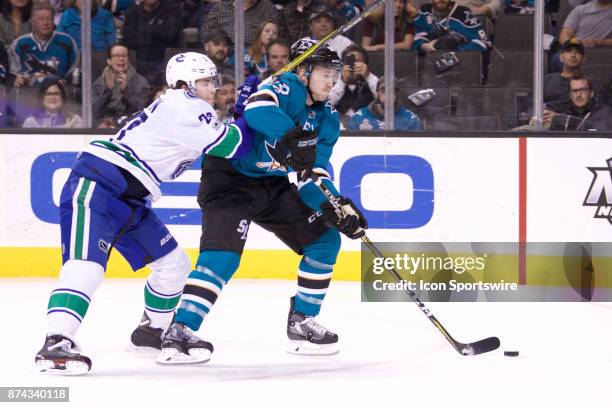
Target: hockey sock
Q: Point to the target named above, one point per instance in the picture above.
(315, 272)
(163, 289)
(70, 300)
(213, 270)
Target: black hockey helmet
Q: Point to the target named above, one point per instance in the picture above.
(323, 56)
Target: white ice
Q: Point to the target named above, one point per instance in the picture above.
(391, 355)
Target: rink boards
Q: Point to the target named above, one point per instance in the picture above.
(431, 189)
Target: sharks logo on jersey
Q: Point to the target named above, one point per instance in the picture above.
(272, 116)
(272, 165)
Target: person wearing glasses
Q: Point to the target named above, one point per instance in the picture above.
(51, 110)
(585, 113)
(120, 91)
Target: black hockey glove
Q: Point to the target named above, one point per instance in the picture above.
(297, 149)
(352, 223)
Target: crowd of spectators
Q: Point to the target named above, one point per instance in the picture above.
(40, 42)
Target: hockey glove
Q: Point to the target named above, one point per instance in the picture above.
(244, 91)
(351, 223)
(297, 149)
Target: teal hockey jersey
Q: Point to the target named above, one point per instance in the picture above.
(275, 109)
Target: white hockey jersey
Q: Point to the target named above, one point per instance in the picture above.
(164, 140)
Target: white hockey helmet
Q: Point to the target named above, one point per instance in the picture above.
(189, 67)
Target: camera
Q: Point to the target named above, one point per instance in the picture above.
(350, 60)
(446, 62)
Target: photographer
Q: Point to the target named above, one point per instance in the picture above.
(357, 85)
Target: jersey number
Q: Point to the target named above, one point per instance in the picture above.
(205, 117)
(281, 88)
(140, 118)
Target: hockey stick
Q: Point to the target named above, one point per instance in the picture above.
(340, 30)
(465, 349)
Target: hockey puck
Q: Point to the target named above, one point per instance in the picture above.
(511, 353)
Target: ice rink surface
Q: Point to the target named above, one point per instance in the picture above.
(391, 355)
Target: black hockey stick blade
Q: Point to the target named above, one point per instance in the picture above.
(479, 347)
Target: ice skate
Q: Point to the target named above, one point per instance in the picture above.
(56, 357)
(180, 346)
(307, 337)
(145, 337)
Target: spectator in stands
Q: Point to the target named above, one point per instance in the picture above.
(445, 25)
(489, 9)
(6, 83)
(120, 90)
(584, 113)
(356, 87)
(556, 84)
(225, 97)
(102, 30)
(295, 19)
(221, 16)
(107, 122)
(150, 27)
(217, 45)
(32, 63)
(6, 78)
(372, 117)
(591, 23)
(267, 32)
(15, 20)
(195, 12)
(374, 30)
(322, 23)
(277, 53)
(117, 7)
(344, 10)
(51, 110)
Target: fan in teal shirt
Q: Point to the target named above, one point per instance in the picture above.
(103, 33)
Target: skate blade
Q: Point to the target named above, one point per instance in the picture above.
(171, 356)
(306, 348)
(70, 367)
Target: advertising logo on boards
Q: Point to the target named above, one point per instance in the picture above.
(600, 191)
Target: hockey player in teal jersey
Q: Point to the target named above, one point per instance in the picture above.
(288, 116)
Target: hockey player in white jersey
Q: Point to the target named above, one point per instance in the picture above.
(103, 205)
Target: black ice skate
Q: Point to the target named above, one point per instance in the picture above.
(56, 357)
(145, 335)
(180, 346)
(308, 337)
